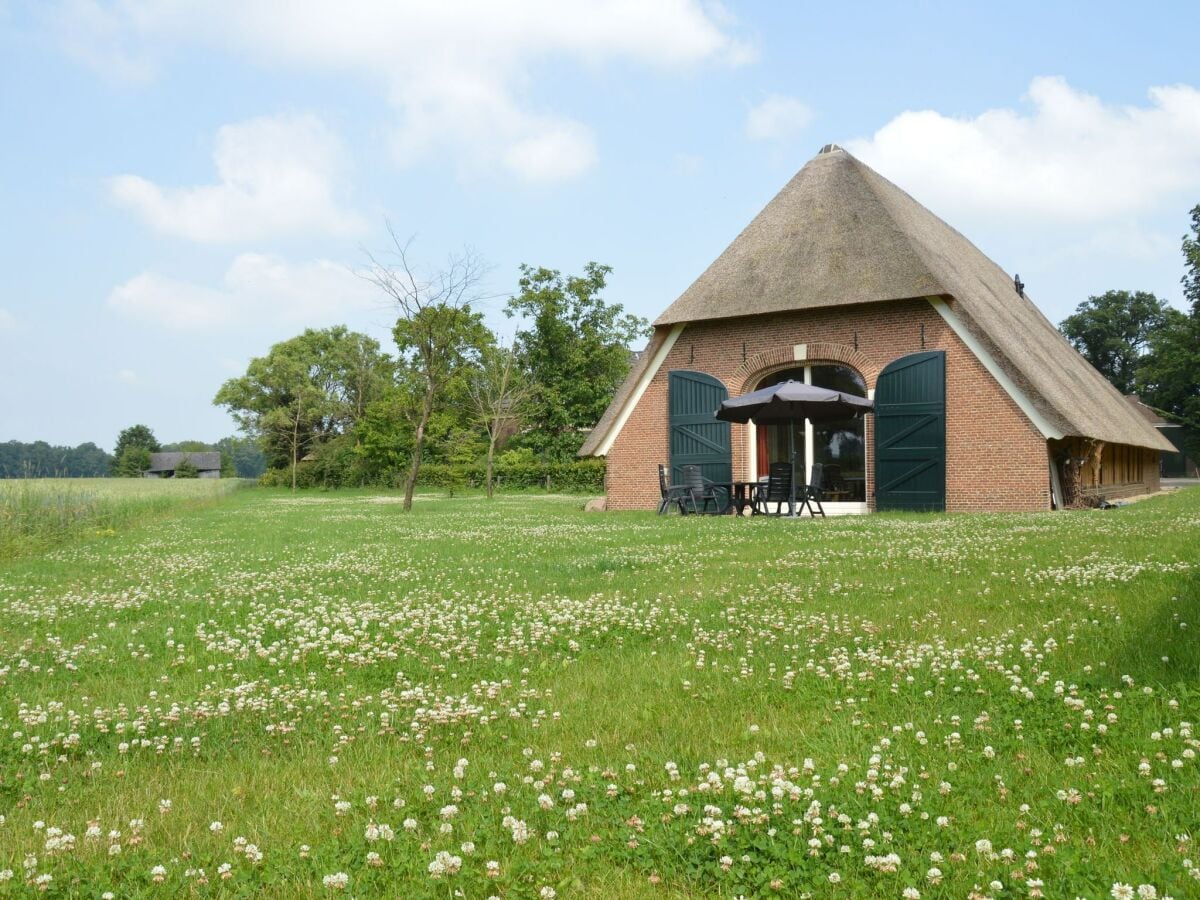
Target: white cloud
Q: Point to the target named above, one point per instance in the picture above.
(255, 290)
(8, 322)
(276, 176)
(1066, 157)
(777, 118)
(453, 71)
(127, 376)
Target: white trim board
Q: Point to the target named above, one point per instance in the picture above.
(1019, 397)
(635, 396)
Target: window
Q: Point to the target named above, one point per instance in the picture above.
(839, 445)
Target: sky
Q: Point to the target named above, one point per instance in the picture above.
(184, 183)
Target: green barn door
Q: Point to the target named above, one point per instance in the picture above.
(697, 438)
(910, 433)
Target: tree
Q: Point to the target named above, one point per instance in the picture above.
(1169, 377)
(185, 468)
(40, 460)
(1113, 330)
(498, 391)
(306, 391)
(1191, 262)
(133, 462)
(575, 348)
(188, 447)
(246, 457)
(135, 436)
(437, 334)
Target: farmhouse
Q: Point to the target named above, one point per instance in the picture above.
(845, 281)
(163, 465)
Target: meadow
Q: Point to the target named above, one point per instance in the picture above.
(312, 695)
(37, 513)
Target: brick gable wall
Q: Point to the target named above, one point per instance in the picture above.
(995, 459)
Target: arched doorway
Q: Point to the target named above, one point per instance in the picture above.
(839, 444)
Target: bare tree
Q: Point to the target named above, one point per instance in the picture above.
(499, 393)
(437, 332)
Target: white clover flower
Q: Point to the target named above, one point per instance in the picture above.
(337, 881)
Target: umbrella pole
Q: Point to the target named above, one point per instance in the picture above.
(792, 449)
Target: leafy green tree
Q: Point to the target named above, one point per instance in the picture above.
(1191, 262)
(188, 447)
(306, 391)
(246, 456)
(1169, 377)
(499, 394)
(1113, 330)
(135, 436)
(133, 462)
(575, 348)
(438, 338)
(40, 460)
(185, 468)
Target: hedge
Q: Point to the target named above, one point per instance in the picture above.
(580, 476)
(583, 476)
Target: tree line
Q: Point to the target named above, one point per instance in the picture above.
(1144, 346)
(240, 457)
(332, 407)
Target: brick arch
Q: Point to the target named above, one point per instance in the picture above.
(746, 375)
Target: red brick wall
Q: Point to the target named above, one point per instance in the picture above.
(995, 458)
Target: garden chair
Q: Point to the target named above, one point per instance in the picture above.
(811, 492)
(701, 492)
(672, 494)
(777, 490)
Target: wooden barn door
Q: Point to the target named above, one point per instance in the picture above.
(910, 433)
(697, 438)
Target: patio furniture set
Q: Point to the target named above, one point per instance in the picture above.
(769, 495)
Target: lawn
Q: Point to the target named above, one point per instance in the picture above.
(288, 696)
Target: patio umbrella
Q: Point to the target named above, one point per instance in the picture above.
(789, 402)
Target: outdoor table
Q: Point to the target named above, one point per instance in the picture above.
(741, 494)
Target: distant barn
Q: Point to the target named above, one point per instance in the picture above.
(163, 465)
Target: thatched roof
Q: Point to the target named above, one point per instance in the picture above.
(1146, 412)
(839, 233)
(169, 462)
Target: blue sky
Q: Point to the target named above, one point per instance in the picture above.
(183, 184)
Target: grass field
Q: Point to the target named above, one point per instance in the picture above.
(299, 696)
(37, 513)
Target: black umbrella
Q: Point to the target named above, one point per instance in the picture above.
(790, 402)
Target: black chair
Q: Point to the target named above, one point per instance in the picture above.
(811, 492)
(675, 494)
(701, 492)
(777, 490)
